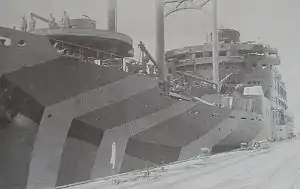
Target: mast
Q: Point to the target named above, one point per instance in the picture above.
(215, 44)
(112, 15)
(160, 39)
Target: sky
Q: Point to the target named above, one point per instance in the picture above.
(274, 22)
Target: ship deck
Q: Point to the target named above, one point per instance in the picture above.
(93, 38)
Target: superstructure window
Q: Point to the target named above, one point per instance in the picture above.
(171, 59)
(199, 55)
(243, 52)
(223, 53)
(181, 57)
(272, 54)
(226, 66)
(207, 54)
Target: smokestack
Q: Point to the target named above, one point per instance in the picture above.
(112, 15)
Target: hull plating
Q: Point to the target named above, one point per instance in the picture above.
(84, 121)
(246, 128)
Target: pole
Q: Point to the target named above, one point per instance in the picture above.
(160, 39)
(215, 44)
(112, 15)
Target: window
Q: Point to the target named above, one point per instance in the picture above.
(207, 54)
(222, 53)
(22, 43)
(170, 59)
(199, 55)
(226, 66)
(181, 57)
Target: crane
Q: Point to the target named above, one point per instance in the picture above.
(147, 53)
(44, 19)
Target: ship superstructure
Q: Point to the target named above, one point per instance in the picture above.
(247, 72)
(283, 119)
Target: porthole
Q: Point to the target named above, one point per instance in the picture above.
(22, 43)
(4, 41)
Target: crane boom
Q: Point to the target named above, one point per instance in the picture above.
(144, 49)
(40, 18)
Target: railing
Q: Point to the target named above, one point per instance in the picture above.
(104, 58)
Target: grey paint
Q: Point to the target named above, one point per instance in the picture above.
(126, 130)
(62, 78)
(16, 142)
(131, 163)
(218, 132)
(76, 162)
(37, 50)
(134, 107)
(244, 131)
(53, 130)
(279, 23)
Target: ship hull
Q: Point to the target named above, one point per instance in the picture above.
(80, 121)
(252, 122)
(247, 127)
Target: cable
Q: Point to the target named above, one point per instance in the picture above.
(186, 8)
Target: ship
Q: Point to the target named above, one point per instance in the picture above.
(70, 111)
(250, 85)
(76, 106)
